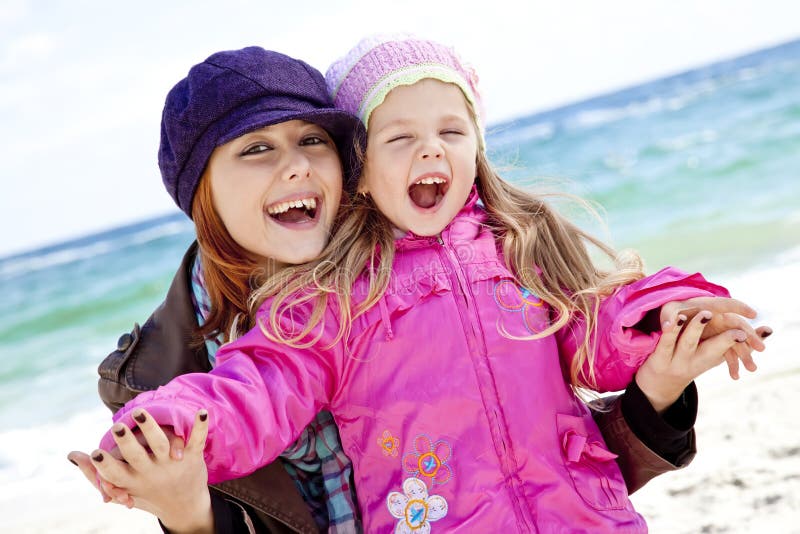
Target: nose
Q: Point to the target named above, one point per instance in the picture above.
(431, 150)
(297, 166)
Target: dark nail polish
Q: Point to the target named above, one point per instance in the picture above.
(140, 418)
(766, 334)
(98, 457)
(120, 432)
(73, 462)
(681, 321)
(203, 417)
(704, 320)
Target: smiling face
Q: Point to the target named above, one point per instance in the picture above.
(277, 190)
(421, 156)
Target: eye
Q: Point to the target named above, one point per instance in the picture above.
(314, 139)
(255, 149)
(399, 137)
(451, 131)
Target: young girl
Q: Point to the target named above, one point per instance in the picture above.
(444, 334)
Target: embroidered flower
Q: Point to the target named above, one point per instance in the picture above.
(389, 443)
(512, 298)
(414, 508)
(429, 460)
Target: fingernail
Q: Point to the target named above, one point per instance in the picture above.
(665, 326)
(681, 320)
(73, 462)
(204, 416)
(704, 320)
(140, 417)
(120, 432)
(98, 457)
(765, 334)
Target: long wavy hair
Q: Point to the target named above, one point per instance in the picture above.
(528, 230)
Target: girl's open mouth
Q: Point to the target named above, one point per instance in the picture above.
(293, 213)
(428, 191)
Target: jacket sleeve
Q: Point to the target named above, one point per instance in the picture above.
(620, 348)
(151, 355)
(647, 444)
(259, 397)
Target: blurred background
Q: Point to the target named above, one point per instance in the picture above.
(682, 119)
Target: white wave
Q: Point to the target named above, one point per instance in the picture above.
(15, 267)
(682, 142)
(685, 94)
(39, 454)
(163, 230)
(538, 131)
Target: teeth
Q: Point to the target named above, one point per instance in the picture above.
(283, 207)
(430, 180)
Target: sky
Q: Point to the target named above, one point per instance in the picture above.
(82, 83)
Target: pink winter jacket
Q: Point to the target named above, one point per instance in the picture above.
(451, 424)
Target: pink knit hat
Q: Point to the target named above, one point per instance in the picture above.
(360, 81)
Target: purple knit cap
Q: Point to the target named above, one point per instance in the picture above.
(360, 81)
(236, 92)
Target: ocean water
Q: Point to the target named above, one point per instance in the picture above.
(699, 170)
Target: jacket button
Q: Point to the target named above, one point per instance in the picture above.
(124, 342)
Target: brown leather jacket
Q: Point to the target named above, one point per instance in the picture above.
(151, 355)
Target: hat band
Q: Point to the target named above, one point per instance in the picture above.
(409, 76)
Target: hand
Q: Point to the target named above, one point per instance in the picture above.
(108, 491)
(173, 489)
(681, 356)
(726, 314)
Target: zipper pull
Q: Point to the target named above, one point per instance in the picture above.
(439, 239)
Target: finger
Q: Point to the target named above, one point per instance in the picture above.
(176, 446)
(764, 332)
(687, 343)
(130, 449)
(732, 359)
(197, 441)
(156, 439)
(736, 321)
(669, 313)
(716, 349)
(84, 463)
(111, 469)
(118, 495)
(744, 353)
(719, 305)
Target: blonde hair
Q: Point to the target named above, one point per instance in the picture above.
(528, 230)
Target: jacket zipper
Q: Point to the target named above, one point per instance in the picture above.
(477, 340)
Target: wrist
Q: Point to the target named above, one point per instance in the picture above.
(196, 518)
(659, 392)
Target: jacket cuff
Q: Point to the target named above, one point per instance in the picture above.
(669, 435)
(229, 517)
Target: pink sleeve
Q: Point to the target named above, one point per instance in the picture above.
(620, 348)
(259, 398)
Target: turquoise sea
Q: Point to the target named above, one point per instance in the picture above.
(699, 170)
